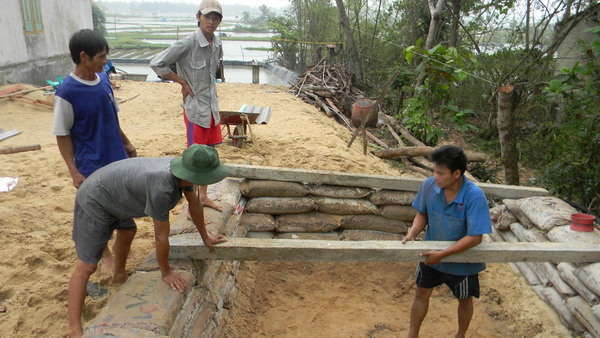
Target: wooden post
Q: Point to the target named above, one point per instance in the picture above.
(255, 73)
(506, 124)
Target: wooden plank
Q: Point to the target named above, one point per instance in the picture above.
(190, 246)
(12, 150)
(365, 180)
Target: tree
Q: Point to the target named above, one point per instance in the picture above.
(98, 18)
(354, 58)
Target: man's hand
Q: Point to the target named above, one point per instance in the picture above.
(130, 149)
(77, 179)
(186, 90)
(213, 239)
(175, 281)
(408, 237)
(433, 257)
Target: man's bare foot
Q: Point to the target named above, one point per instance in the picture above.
(75, 332)
(207, 202)
(120, 278)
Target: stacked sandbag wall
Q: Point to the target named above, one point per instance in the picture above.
(294, 210)
(572, 290)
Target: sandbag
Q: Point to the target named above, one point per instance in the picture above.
(280, 205)
(536, 235)
(566, 271)
(559, 284)
(308, 222)
(399, 212)
(589, 275)
(596, 311)
(321, 236)
(546, 212)
(369, 235)
(553, 298)
(258, 222)
(564, 234)
(345, 206)
(337, 191)
(373, 222)
(515, 209)
(519, 231)
(260, 234)
(583, 312)
(382, 197)
(527, 273)
(537, 267)
(260, 188)
(501, 217)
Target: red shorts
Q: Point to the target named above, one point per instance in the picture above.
(207, 136)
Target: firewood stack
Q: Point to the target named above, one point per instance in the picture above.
(330, 87)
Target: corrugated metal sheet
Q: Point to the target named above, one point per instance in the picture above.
(4, 134)
(264, 113)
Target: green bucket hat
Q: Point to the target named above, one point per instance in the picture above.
(199, 164)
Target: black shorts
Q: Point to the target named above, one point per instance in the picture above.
(462, 287)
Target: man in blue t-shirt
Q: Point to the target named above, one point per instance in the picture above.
(453, 209)
(86, 123)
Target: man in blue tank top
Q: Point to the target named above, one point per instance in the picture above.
(86, 123)
(453, 209)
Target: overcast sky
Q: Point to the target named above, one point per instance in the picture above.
(255, 3)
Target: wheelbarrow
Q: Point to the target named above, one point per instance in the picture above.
(239, 121)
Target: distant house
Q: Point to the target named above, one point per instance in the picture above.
(571, 49)
(34, 38)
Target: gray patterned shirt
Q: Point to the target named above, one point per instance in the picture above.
(197, 63)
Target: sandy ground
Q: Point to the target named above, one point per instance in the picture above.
(274, 299)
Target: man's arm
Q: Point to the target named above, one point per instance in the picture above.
(463, 244)
(129, 148)
(161, 239)
(197, 214)
(160, 64)
(65, 146)
(418, 224)
(185, 87)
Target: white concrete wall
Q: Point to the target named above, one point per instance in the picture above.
(33, 57)
(569, 51)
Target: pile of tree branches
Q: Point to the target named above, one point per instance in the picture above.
(329, 86)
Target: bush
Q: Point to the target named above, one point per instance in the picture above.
(572, 143)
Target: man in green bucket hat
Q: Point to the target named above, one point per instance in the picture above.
(130, 188)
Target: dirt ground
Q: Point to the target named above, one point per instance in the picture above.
(274, 299)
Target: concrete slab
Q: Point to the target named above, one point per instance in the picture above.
(371, 181)
(253, 249)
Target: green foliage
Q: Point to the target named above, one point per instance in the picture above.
(572, 143)
(432, 106)
(98, 18)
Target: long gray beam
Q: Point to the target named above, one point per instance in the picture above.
(370, 181)
(190, 246)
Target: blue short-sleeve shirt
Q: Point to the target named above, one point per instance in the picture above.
(467, 215)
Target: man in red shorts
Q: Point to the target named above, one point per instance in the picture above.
(197, 58)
